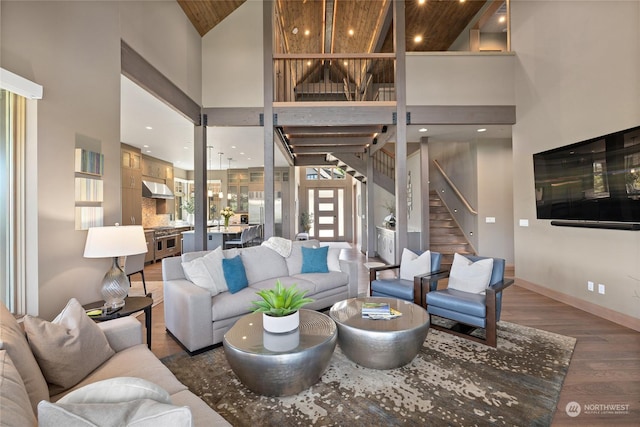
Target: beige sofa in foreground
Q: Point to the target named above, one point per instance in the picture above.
(23, 385)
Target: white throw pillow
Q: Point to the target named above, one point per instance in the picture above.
(412, 265)
(139, 413)
(333, 262)
(213, 262)
(469, 276)
(119, 389)
(69, 348)
(197, 272)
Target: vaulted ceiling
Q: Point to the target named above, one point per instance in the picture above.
(348, 27)
(351, 26)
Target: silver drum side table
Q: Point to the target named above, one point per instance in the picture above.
(280, 364)
(380, 344)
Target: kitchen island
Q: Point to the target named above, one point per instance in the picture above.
(216, 236)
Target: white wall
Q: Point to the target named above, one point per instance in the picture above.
(73, 50)
(460, 78)
(161, 32)
(495, 199)
(232, 60)
(577, 77)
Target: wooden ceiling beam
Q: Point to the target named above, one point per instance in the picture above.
(330, 141)
(329, 149)
(331, 130)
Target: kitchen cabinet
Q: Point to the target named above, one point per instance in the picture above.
(131, 206)
(131, 185)
(150, 255)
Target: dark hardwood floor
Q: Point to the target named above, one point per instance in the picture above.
(604, 369)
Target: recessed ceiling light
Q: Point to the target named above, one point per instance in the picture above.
(307, 32)
(502, 19)
(148, 151)
(186, 148)
(482, 130)
(422, 1)
(462, 1)
(145, 146)
(233, 146)
(148, 127)
(351, 32)
(417, 39)
(346, 62)
(295, 30)
(309, 63)
(423, 130)
(241, 153)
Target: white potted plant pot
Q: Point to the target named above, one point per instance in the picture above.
(281, 342)
(280, 325)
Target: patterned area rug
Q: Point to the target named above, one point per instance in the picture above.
(452, 381)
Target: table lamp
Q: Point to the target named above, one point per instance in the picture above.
(115, 241)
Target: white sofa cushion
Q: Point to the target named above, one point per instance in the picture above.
(13, 340)
(469, 276)
(206, 272)
(118, 389)
(68, 348)
(14, 402)
(139, 413)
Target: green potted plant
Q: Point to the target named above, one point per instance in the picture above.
(190, 207)
(279, 307)
(306, 221)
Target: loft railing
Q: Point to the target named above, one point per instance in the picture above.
(384, 163)
(334, 77)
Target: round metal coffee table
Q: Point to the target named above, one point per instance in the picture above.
(280, 364)
(380, 344)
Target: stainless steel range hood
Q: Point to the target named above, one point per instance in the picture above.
(156, 190)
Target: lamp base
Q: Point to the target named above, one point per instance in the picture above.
(115, 286)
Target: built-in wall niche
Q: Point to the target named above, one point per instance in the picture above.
(88, 170)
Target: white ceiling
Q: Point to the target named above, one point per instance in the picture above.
(171, 135)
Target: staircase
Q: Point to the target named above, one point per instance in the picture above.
(445, 235)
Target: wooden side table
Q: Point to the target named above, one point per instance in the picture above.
(131, 305)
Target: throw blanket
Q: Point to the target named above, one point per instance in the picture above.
(278, 244)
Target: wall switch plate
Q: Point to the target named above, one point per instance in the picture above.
(590, 285)
(600, 288)
(490, 219)
(524, 223)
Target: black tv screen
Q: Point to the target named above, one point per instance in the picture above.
(593, 180)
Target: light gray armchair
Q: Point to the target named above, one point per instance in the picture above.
(469, 310)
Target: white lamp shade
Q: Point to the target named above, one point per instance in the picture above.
(115, 241)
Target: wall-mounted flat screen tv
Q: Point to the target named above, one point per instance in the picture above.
(593, 180)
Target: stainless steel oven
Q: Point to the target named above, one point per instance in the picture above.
(167, 243)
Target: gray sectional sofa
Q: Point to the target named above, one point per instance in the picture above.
(198, 319)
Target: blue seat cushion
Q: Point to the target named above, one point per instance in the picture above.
(395, 288)
(458, 301)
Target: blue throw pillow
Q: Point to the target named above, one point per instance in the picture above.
(315, 260)
(234, 274)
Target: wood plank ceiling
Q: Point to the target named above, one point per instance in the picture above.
(345, 27)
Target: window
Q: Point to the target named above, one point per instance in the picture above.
(13, 198)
